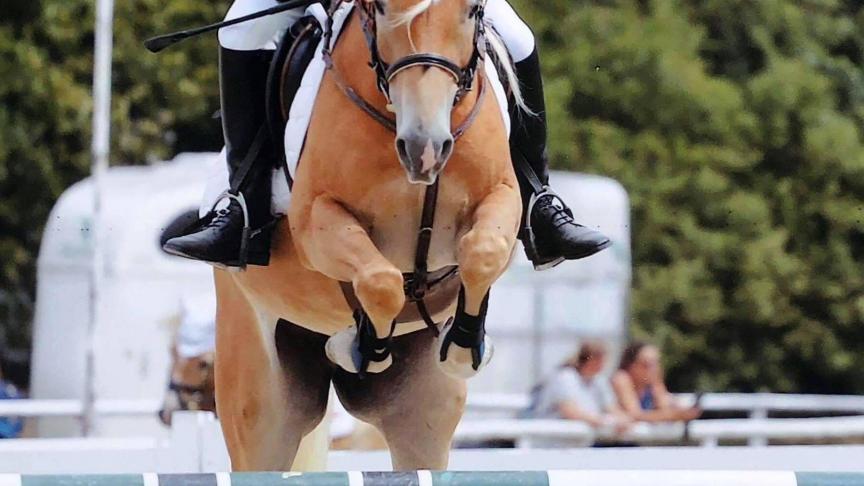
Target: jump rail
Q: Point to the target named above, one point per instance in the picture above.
(455, 478)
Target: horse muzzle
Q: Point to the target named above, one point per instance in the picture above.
(423, 157)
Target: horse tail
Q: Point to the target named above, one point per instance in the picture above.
(312, 453)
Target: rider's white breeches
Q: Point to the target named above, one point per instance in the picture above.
(264, 33)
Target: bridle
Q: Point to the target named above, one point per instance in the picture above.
(195, 397)
(464, 76)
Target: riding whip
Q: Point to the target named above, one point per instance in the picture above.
(158, 43)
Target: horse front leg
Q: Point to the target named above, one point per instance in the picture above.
(337, 245)
(483, 254)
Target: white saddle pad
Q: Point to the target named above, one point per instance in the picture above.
(300, 115)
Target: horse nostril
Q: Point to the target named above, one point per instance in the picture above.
(446, 149)
(401, 149)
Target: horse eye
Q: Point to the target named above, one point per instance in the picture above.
(203, 365)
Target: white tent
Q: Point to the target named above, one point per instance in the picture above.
(139, 295)
(142, 288)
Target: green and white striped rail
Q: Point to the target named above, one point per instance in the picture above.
(453, 478)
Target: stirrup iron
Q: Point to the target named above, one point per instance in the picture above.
(528, 238)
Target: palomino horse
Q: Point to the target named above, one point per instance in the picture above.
(356, 208)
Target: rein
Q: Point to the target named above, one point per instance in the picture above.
(419, 282)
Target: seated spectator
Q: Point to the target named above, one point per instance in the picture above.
(640, 389)
(576, 392)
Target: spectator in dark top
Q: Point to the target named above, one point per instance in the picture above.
(640, 389)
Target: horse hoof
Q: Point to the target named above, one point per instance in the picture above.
(343, 350)
(459, 361)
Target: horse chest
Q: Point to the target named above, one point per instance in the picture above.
(394, 220)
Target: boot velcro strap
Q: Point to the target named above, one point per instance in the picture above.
(371, 347)
(468, 331)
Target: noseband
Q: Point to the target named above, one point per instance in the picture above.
(385, 73)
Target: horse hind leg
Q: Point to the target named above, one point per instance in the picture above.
(268, 397)
(413, 403)
(483, 254)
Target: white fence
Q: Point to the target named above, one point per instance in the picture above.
(489, 417)
(196, 445)
(754, 404)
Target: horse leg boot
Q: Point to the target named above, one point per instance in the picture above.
(330, 240)
(483, 254)
(239, 233)
(549, 234)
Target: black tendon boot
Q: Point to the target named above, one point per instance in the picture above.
(239, 233)
(549, 233)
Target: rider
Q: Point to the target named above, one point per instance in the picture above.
(245, 55)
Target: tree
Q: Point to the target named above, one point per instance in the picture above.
(162, 105)
(737, 129)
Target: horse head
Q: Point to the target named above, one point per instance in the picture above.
(426, 54)
(192, 385)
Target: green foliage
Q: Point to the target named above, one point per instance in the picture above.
(162, 105)
(736, 126)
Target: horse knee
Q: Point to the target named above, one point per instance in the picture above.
(380, 291)
(482, 256)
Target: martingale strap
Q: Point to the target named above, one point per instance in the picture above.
(418, 282)
(416, 288)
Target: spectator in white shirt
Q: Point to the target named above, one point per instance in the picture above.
(576, 392)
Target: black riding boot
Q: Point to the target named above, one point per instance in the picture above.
(549, 234)
(233, 236)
